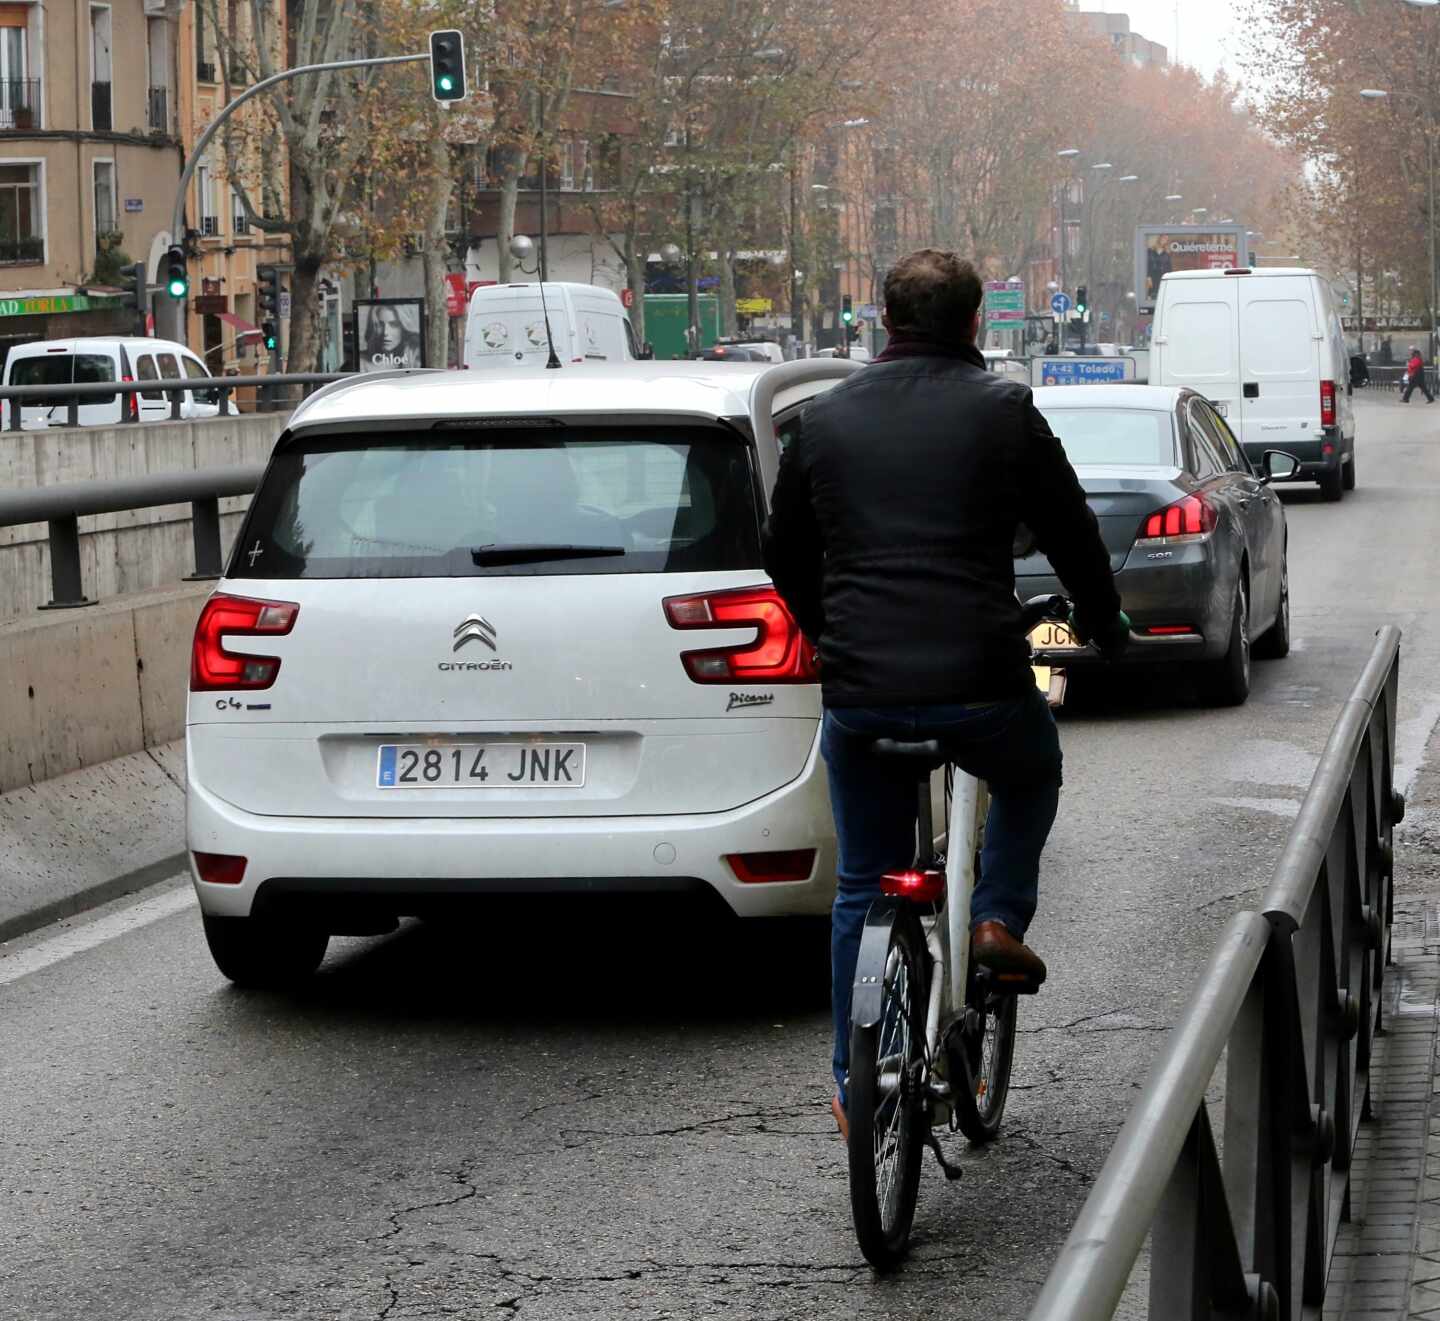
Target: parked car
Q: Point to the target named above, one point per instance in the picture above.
(95, 361)
(1197, 537)
(505, 325)
(759, 350)
(734, 353)
(503, 634)
(1267, 349)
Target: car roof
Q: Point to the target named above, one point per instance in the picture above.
(710, 390)
(1252, 270)
(95, 342)
(1150, 398)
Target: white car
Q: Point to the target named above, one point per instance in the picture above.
(98, 360)
(505, 634)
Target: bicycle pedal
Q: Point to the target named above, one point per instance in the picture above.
(952, 1172)
(1012, 983)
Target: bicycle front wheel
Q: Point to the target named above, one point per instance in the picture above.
(887, 1106)
(989, 1050)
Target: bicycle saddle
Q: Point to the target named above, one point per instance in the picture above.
(926, 755)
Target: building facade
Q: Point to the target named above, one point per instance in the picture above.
(89, 158)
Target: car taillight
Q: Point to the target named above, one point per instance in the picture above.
(132, 403)
(783, 865)
(1327, 403)
(212, 667)
(1192, 516)
(220, 868)
(779, 652)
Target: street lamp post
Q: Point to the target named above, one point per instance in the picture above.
(1068, 155)
(1377, 94)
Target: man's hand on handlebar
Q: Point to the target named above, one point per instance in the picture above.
(1110, 639)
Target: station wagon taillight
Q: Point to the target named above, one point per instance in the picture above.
(1327, 403)
(1191, 518)
(778, 653)
(212, 667)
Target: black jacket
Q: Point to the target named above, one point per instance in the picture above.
(892, 525)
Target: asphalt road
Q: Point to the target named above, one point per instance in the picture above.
(559, 1114)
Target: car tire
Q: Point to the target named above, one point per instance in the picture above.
(1332, 484)
(1226, 682)
(1348, 481)
(1274, 642)
(263, 955)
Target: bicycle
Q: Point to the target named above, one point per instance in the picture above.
(932, 1037)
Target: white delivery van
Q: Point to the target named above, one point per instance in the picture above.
(1266, 347)
(95, 361)
(505, 326)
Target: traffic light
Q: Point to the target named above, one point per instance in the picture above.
(271, 335)
(447, 65)
(267, 291)
(177, 278)
(1082, 301)
(847, 310)
(134, 288)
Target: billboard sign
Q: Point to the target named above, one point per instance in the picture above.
(1160, 249)
(1004, 302)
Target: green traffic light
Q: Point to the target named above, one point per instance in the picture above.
(445, 83)
(177, 288)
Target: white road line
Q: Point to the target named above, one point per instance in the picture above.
(87, 937)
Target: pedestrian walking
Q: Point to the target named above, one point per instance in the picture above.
(1415, 376)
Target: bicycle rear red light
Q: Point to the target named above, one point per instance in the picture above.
(783, 865)
(920, 887)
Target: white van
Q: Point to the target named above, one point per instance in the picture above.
(505, 326)
(1266, 347)
(93, 361)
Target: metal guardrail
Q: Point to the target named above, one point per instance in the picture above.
(1291, 997)
(175, 388)
(62, 505)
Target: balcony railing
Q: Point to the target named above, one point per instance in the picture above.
(22, 252)
(100, 117)
(19, 103)
(158, 113)
(239, 224)
(210, 226)
(205, 72)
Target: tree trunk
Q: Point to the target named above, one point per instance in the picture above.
(729, 323)
(304, 315)
(635, 279)
(437, 316)
(512, 168)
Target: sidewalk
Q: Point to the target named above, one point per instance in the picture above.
(1387, 1258)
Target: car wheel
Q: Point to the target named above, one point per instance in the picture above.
(1348, 481)
(1226, 682)
(1332, 484)
(263, 955)
(1274, 643)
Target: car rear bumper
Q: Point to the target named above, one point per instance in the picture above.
(406, 866)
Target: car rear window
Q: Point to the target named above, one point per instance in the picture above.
(62, 369)
(571, 500)
(1120, 436)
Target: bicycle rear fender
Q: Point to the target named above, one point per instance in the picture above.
(867, 993)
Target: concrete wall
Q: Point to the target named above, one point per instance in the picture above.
(80, 687)
(138, 550)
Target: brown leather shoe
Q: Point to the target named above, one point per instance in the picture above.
(993, 947)
(841, 1121)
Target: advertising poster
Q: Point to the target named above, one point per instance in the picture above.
(1160, 249)
(388, 333)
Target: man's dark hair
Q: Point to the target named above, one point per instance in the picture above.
(933, 294)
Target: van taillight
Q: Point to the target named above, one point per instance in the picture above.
(212, 667)
(132, 403)
(778, 653)
(1192, 516)
(1327, 403)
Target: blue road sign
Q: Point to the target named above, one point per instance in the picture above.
(1060, 304)
(1082, 371)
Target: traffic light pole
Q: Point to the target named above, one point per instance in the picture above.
(172, 310)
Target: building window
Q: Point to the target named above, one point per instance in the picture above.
(204, 47)
(22, 223)
(239, 221)
(19, 93)
(157, 45)
(567, 166)
(105, 219)
(101, 117)
(205, 201)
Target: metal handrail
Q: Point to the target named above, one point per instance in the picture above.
(1291, 998)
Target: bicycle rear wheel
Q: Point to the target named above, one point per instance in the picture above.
(886, 1105)
(988, 1052)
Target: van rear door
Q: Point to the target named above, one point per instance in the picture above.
(1280, 342)
(1198, 340)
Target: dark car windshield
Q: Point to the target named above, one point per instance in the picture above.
(1121, 437)
(572, 500)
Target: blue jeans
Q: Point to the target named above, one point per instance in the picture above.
(1012, 745)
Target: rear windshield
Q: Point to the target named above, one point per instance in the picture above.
(62, 369)
(1131, 438)
(571, 500)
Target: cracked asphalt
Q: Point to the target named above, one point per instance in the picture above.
(571, 1110)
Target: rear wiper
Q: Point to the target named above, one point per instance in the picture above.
(526, 552)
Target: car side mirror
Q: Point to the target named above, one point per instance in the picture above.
(1279, 466)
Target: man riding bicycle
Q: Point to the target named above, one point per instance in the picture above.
(891, 540)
